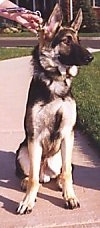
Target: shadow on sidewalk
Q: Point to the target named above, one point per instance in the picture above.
(8, 177)
(8, 204)
(8, 180)
(52, 199)
(87, 177)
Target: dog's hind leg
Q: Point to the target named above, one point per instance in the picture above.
(35, 153)
(22, 160)
(71, 200)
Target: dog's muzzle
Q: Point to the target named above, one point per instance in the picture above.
(84, 57)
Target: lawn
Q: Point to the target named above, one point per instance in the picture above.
(17, 34)
(6, 53)
(30, 34)
(86, 90)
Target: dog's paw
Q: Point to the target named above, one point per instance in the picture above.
(72, 203)
(25, 207)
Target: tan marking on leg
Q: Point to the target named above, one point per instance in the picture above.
(67, 186)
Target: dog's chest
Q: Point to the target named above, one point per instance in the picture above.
(60, 88)
(50, 122)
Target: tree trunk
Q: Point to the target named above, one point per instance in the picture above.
(65, 4)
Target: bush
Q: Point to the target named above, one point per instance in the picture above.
(86, 90)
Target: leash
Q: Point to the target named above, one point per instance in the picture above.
(19, 10)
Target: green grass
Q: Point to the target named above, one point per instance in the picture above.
(7, 53)
(90, 34)
(30, 34)
(19, 34)
(86, 90)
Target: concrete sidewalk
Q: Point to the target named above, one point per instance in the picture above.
(15, 76)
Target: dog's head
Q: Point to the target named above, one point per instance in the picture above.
(59, 46)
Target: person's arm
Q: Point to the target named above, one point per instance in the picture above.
(28, 20)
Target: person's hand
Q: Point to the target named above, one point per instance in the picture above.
(31, 21)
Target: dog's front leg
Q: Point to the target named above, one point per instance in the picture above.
(71, 201)
(35, 152)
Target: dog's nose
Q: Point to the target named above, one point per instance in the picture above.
(89, 58)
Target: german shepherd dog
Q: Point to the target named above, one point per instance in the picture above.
(50, 115)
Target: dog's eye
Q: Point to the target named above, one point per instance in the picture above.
(67, 40)
(64, 40)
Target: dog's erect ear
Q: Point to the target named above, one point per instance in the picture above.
(54, 22)
(78, 20)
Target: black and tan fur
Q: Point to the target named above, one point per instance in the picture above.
(51, 111)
